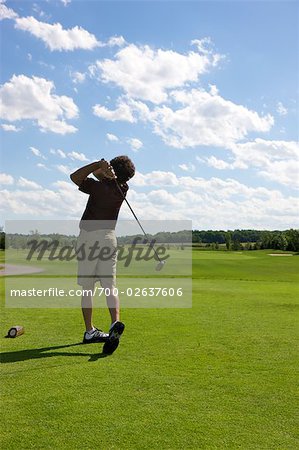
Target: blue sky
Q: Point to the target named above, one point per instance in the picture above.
(201, 95)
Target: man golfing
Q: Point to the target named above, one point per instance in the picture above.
(97, 230)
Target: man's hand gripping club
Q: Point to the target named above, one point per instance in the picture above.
(104, 171)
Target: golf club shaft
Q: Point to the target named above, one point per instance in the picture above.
(145, 234)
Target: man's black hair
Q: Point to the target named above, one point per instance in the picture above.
(123, 167)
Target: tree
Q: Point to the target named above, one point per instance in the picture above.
(266, 239)
(257, 245)
(228, 240)
(236, 245)
(292, 237)
(279, 241)
(2, 240)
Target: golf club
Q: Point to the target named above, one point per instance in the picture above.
(161, 263)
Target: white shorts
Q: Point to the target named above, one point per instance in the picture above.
(97, 257)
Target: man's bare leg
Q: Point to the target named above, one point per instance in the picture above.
(113, 305)
(86, 304)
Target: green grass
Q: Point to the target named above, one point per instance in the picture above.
(178, 263)
(220, 375)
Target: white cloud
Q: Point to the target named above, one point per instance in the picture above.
(281, 110)
(259, 150)
(196, 118)
(283, 172)
(57, 38)
(37, 152)
(7, 127)
(122, 112)
(42, 166)
(163, 197)
(48, 66)
(23, 182)
(33, 99)
(220, 188)
(61, 153)
(63, 201)
(203, 45)
(116, 41)
(187, 167)
(77, 156)
(6, 13)
(237, 205)
(205, 119)
(36, 8)
(155, 178)
(78, 77)
(6, 179)
(213, 89)
(67, 170)
(191, 117)
(58, 152)
(66, 2)
(147, 74)
(218, 163)
(135, 144)
(112, 137)
(275, 160)
(72, 155)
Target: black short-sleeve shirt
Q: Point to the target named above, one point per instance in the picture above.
(103, 204)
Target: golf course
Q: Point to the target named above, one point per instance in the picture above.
(219, 375)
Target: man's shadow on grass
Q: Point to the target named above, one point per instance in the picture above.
(36, 353)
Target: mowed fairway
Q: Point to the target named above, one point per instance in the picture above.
(219, 375)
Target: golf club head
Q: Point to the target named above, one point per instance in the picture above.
(160, 266)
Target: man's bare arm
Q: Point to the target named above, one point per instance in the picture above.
(82, 173)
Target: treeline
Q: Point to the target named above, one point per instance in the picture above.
(22, 241)
(249, 239)
(175, 237)
(230, 240)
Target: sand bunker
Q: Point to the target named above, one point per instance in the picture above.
(10, 269)
(280, 254)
